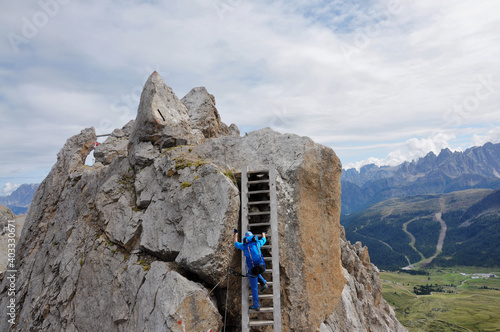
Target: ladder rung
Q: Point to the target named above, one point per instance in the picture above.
(260, 322)
(268, 271)
(260, 213)
(258, 181)
(259, 192)
(260, 224)
(264, 296)
(262, 309)
(267, 246)
(269, 283)
(268, 259)
(259, 202)
(266, 171)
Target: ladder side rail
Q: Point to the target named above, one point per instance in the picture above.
(275, 250)
(245, 319)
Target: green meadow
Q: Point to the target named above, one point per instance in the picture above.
(466, 303)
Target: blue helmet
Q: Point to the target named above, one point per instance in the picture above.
(248, 234)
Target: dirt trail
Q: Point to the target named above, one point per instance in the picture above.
(442, 233)
(412, 238)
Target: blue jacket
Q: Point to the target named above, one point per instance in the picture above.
(251, 249)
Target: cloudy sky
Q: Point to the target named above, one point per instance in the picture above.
(378, 81)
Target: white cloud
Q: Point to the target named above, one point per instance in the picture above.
(268, 63)
(413, 149)
(492, 136)
(9, 188)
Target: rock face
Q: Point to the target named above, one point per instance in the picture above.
(203, 114)
(10, 230)
(116, 145)
(138, 241)
(361, 307)
(6, 214)
(308, 194)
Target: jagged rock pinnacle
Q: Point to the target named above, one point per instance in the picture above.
(203, 113)
(161, 117)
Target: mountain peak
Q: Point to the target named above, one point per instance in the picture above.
(203, 113)
(162, 119)
(477, 167)
(19, 200)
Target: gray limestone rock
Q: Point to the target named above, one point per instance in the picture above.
(143, 154)
(162, 118)
(308, 191)
(234, 130)
(210, 209)
(361, 306)
(116, 206)
(169, 302)
(189, 216)
(203, 113)
(115, 145)
(5, 215)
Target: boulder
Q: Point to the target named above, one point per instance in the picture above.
(118, 215)
(233, 130)
(203, 113)
(162, 118)
(6, 214)
(115, 145)
(190, 214)
(169, 302)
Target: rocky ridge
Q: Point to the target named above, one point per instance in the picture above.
(475, 168)
(362, 307)
(138, 241)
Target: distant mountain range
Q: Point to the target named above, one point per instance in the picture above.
(438, 210)
(477, 167)
(459, 228)
(20, 199)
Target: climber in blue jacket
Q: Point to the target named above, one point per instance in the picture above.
(255, 263)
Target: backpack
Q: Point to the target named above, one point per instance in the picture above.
(255, 256)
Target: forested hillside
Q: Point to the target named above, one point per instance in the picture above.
(459, 228)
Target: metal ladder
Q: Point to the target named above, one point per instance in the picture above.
(259, 214)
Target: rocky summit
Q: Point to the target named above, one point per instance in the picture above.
(143, 239)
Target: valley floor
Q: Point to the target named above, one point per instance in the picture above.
(469, 300)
